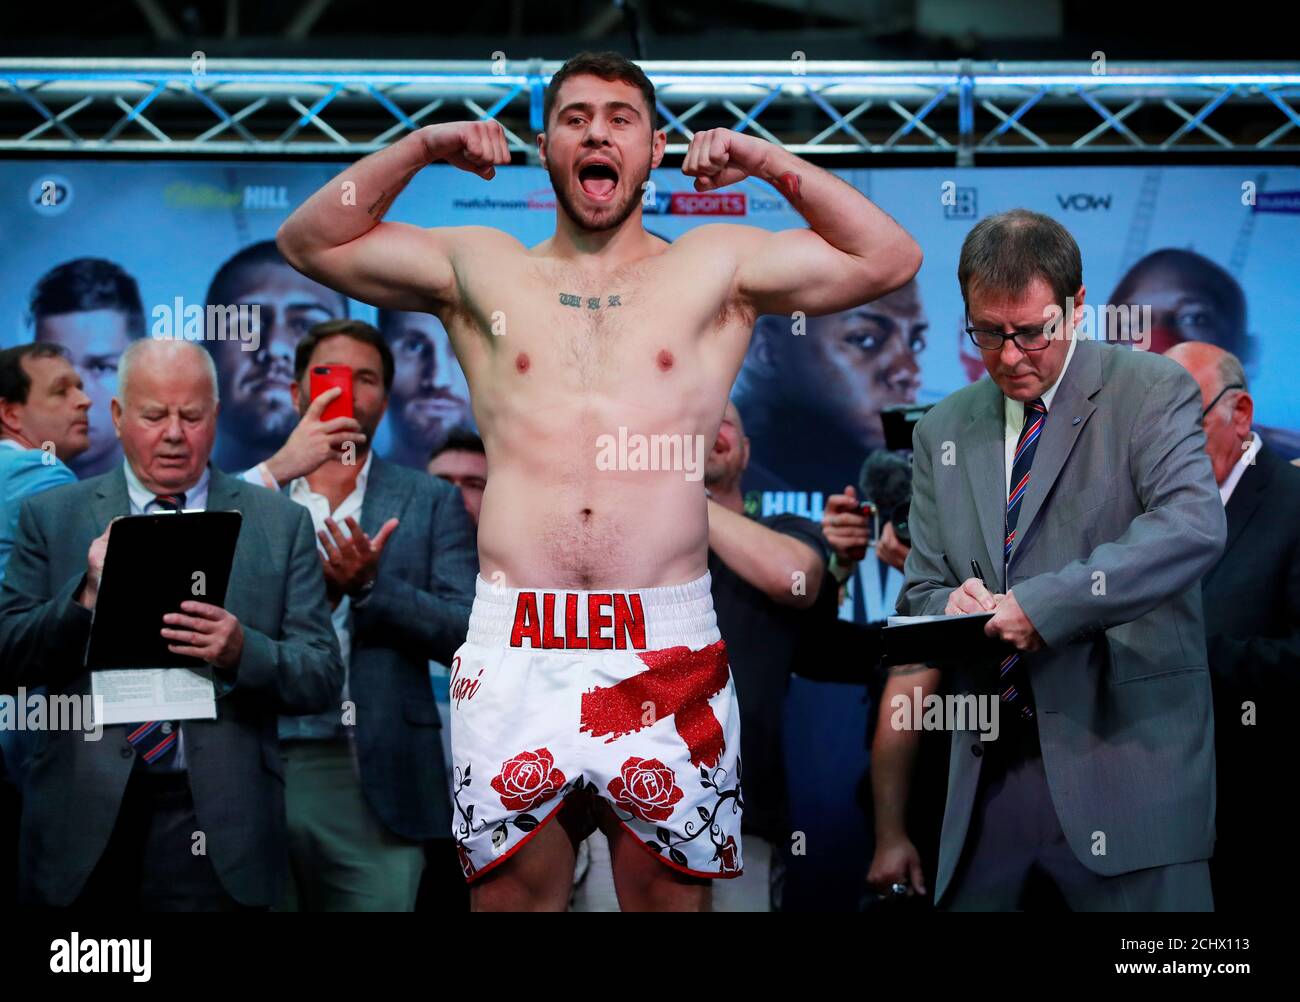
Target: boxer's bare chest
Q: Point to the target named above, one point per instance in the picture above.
(543, 326)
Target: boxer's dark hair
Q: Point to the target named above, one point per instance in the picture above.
(459, 439)
(1006, 252)
(15, 383)
(607, 66)
(358, 330)
(86, 284)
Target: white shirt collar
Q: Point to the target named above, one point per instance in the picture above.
(1014, 410)
(1050, 392)
(1247, 459)
(142, 497)
(299, 485)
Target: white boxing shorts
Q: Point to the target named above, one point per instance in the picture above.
(623, 695)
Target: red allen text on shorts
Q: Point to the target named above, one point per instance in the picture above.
(605, 611)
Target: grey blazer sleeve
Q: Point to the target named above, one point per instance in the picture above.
(301, 671)
(926, 584)
(1165, 550)
(428, 621)
(42, 636)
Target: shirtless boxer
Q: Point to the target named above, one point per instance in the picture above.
(593, 676)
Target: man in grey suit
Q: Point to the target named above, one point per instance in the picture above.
(112, 824)
(1076, 479)
(367, 788)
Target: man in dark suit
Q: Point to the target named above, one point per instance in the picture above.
(1252, 628)
(162, 815)
(368, 787)
(1076, 478)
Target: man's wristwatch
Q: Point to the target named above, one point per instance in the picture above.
(363, 593)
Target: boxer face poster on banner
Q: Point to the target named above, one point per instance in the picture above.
(186, 249)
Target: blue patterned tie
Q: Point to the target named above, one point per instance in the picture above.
(1014, 694)
(155, 740)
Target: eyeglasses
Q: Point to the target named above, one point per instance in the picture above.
(1218, 397)
(1033, 340)
(986, 340)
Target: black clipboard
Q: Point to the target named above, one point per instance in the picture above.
(150, 568)
(941, 639)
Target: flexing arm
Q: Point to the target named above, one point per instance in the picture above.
(338, 237)
(853, 252)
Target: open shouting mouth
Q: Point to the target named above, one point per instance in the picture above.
(598, 179)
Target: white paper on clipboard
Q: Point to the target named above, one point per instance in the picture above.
(134, 695)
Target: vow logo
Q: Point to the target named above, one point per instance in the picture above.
(1083, 202)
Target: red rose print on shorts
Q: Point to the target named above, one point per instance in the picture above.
(528, 779)
(646, 788)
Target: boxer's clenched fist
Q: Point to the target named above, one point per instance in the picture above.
(719, 157)
(473, 146)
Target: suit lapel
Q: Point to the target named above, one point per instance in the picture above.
(383, 498)
(225, 493)
(1245, 500)
(985, 469)
(1071, 408)
(223, 490)
(111, 499)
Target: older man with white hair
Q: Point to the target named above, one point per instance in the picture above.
(1252, 637)
(112, 824)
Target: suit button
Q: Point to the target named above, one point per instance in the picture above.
(127, 751)
(977, 750)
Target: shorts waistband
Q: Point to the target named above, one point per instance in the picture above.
(578, 622)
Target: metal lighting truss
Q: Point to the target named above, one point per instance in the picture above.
(956, 110)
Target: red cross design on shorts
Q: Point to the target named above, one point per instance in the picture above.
(678, 682)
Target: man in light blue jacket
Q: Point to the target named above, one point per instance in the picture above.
(43, 424)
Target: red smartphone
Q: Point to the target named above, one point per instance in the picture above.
(326, 377)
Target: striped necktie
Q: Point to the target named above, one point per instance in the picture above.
(1015, 691)
(155, 740)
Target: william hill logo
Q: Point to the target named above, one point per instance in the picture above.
(198, 195)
